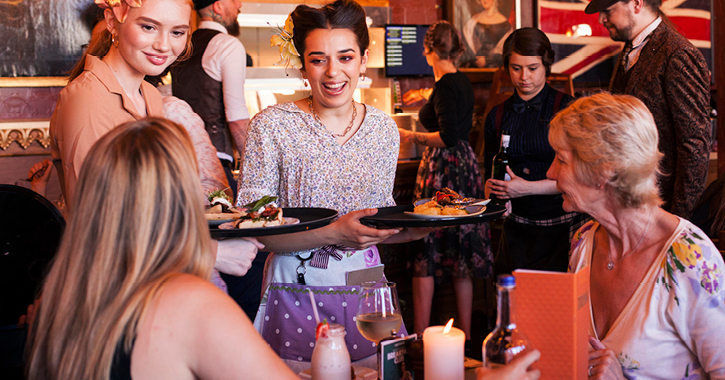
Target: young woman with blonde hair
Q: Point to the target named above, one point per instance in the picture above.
(107, 88)
(128, 291)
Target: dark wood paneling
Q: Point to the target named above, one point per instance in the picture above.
(718, 21)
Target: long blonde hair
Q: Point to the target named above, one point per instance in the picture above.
(138, 222)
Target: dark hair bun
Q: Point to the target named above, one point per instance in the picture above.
(341, 14)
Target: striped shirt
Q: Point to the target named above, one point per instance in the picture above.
(530, 154)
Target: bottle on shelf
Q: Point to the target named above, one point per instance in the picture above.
(500, 161)
(505, 341)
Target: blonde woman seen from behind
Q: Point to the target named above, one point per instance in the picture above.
(127, 295)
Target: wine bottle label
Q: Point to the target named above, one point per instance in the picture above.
(506, 177)
(505, 140)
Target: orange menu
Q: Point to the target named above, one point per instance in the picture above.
(552, 310)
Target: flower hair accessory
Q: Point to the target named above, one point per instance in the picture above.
(287, 51)
(119, 8)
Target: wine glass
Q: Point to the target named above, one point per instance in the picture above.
(378, 312)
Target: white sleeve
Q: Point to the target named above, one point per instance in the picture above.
(225, 60)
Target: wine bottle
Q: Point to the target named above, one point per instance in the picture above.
(505, 341)
(500, 161)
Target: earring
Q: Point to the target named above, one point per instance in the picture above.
(305, 82)
(362, 76)
(114, 40)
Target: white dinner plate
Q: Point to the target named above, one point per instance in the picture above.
(287, 221)
(472, 211)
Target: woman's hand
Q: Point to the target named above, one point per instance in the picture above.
(349, 232)
(39, 175)
(405, 135)
(518, 369)
(414, 96)
(518, 187)
(514, 188)
(603, 362)
(235, 256)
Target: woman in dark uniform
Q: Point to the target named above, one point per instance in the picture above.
(536, 232)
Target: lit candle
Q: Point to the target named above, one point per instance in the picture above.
(443, 352)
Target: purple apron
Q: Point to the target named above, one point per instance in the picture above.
(289, 323)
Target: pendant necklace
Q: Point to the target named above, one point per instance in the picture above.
(610, 264)
(317, 118)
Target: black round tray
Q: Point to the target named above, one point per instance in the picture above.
(395, 217)
(310, 218)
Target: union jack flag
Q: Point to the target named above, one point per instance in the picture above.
(591, 59)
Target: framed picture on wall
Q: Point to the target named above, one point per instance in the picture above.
(585, 51)
(44, 38)
(484, 26)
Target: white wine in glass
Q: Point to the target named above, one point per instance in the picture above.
(378, 312)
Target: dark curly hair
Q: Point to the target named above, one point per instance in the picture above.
(442, 38)
(341, 14)
(529, 42)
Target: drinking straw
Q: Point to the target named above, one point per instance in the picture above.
(314, 306)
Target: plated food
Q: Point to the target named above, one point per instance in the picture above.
(260, 213)
(220, 207)
(445, 203)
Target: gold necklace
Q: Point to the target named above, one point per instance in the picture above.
(317, 118)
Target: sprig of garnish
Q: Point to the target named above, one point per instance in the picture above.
(256, 205)
(219, 194)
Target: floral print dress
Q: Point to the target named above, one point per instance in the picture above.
(293, 157)
(673, 327)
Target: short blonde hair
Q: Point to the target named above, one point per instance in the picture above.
(138, 221)
(614, 141)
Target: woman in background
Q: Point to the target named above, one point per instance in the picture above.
(656, 290)
(128, 293)
(107, 88)
(464, 252)
(536, 233)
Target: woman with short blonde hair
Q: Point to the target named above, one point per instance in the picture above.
(612, 142)
(656, 282)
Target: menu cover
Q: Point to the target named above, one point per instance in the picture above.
(394, 363)
(552, 310)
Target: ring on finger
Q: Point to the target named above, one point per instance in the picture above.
(590, 371)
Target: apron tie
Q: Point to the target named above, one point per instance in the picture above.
(321, 256)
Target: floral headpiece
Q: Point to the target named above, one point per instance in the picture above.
(119, 8)
(287, 51)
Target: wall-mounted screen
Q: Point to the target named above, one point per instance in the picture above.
(404, 51)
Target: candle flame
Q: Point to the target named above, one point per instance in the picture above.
(448, 327)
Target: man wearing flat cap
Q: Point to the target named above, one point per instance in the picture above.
(212, 80)
(666, 72)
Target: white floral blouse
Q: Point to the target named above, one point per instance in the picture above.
(291, 156)
(673, 327)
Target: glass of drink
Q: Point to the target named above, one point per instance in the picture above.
(378, 312)
(330, 358)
